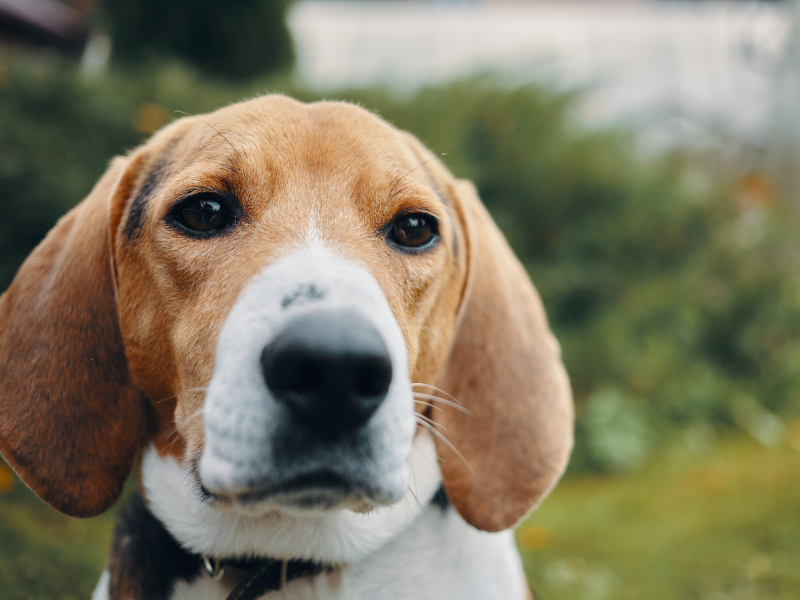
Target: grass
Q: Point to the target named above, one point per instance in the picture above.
(719, 525)
(45, 555)
(724, 526)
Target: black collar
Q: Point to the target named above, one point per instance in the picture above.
(262, 575)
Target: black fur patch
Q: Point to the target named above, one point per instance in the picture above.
(138, 207)
(440, 499)
(302, 294)
(145, 560)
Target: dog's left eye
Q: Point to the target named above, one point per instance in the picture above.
(414, 230)
(203, 213)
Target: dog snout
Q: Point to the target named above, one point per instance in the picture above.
(331, 370)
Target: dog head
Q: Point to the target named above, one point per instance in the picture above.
(281, 295)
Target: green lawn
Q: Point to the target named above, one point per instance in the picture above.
(45, 555)
(721, 526)
(725, 526)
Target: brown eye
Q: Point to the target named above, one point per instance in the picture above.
(203, 213)
(414, 231)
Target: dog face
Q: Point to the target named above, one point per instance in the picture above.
(303, 298)
(268, 294)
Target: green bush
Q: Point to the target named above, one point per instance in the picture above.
(58, 133)
(674, 293)
(237, 40)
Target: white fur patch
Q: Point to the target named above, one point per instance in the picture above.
(338, 537)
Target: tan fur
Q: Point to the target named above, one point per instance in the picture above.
(71, 423)
(100, 318)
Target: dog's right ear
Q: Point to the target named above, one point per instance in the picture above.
(71, 422)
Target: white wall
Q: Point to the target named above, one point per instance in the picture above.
(681, 65)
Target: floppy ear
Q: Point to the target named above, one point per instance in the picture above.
(505, 367)
(71, 422)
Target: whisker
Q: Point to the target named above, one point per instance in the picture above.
(199, 389)
(432, 330)
(440, 390)
(175, 439)
(443, 401)
(393, 191)
(438, 434)
(422, 508)
(431, 421)
(214, 128)
(168, 432)
(428, 404)
(273, 520)
(173, 430)
(414, 475)
(194, 415)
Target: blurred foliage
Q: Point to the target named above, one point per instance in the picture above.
(237, 40)
(673, 286)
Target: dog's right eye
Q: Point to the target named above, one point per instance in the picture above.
(203, 213)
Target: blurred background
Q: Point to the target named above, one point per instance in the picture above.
(643, 159)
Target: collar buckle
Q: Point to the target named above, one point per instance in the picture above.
(284, 574)
(215, 570)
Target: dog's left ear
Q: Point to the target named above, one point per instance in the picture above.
(505, 367)
(71, 422)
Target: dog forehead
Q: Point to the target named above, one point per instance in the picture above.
(279, 132)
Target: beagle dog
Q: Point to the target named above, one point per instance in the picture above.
(334, 376)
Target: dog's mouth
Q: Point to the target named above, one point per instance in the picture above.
(319, 490)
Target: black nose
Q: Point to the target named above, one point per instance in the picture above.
(332, 370)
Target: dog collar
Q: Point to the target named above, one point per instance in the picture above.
(262, 575)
